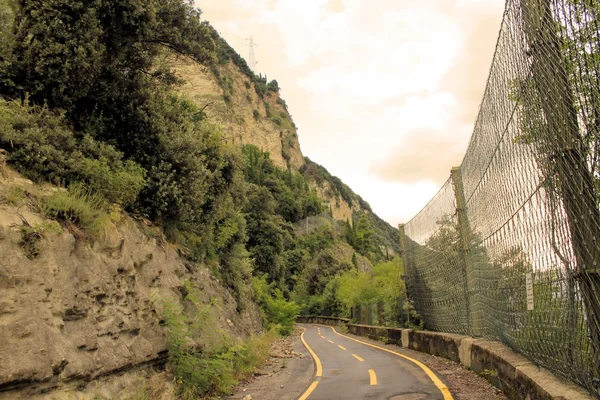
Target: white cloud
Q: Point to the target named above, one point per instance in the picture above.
(374, 86)
(394, 202)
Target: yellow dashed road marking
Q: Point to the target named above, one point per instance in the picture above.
(372, 377)
(436, 381)
(357, 357)
(330, 341)
(341, 347)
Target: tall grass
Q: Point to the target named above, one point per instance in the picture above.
(80, 207)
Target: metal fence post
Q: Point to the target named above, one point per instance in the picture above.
(465, 241)
(405, 265)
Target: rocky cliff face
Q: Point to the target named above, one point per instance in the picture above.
(231, 101)
(340, 209)
(84, 309)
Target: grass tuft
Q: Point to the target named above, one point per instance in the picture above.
(14, 195)
(81, 208)
(205, 359)
(32, 234)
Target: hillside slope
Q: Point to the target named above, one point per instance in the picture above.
(231, 102)
(139, 222)
(251, 111)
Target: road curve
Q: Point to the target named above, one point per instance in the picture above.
(347, 368)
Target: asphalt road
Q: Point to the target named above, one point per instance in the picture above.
(349, 369)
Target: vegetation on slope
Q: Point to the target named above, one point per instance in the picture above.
(90, 108)
(384, 234)
(204, 358)
(226, 53)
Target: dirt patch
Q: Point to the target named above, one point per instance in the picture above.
(285, 376)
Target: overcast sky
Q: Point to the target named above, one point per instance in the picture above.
(384, 92)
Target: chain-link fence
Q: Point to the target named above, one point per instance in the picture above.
(400, 314)
(310, 224)
(509, 247)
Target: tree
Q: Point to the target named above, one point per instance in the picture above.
(105, 39)
(364, 236)
(360, 235)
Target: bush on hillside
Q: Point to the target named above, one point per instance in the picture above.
(204, 358)
(276, 311)
(319, 174)
(43, 147)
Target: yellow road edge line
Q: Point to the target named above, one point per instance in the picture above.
(372, 377)
(357, 357)
(314, 356)
(341, 347)
(330, 341)
(436, 381)
(318, 373)
(308, 392)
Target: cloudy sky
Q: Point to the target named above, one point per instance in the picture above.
(384, 92)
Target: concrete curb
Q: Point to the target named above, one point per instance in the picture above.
(506, 369)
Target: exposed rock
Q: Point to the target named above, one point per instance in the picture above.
(81, 311)
(236, 117)
(73, 314)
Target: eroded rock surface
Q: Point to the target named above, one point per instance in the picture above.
(83, 309)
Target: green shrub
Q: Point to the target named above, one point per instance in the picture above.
(247, 84)
(282, 102)
(14, 195)
(277, 312)
(100, 167)
(205, 359)
(42, 147)
(281, 313)
(256, 114)
(252, 352)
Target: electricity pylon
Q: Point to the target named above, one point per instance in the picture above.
(251, 56)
